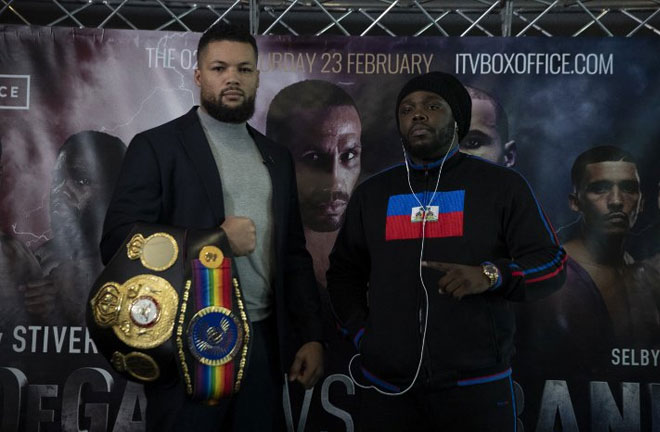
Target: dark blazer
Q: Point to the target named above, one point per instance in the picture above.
(169, 176)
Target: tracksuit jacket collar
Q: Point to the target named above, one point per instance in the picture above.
(424, 167)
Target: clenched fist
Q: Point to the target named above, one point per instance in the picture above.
(241, 233)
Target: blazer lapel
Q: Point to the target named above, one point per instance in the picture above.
(276, 176)
(197, 147)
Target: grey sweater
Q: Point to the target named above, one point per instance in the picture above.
(247, 191)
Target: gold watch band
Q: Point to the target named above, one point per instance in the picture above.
(491, 272)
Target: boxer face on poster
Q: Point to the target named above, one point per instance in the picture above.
(319, 123)
(83, 179)
(609, 197)
(228, 79)
(488, 134)
(326, 150)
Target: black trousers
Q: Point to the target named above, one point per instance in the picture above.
(488, 407)
(256, 408)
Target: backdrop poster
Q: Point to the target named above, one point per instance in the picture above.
(72, 99)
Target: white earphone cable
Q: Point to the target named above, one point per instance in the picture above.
(426, 293)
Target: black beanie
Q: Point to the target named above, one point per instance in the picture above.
(450, 89)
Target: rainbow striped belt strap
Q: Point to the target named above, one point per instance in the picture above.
(217, 333)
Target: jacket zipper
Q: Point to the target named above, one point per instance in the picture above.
(425, 353)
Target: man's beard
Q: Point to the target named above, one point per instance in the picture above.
(435, 149)
(221, 112)
(76, 234)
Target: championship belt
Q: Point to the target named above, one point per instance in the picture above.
(168, 304)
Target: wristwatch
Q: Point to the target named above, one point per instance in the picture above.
(491, 272)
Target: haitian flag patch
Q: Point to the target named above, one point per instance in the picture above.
(445, 217)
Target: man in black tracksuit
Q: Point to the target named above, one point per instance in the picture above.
(422, 275)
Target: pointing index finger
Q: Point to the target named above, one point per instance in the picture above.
(436, 265)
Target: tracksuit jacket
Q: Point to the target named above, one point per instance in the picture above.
(481, 212)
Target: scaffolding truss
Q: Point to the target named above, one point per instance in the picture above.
(376, 17)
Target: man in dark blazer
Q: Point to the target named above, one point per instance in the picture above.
(209, 169)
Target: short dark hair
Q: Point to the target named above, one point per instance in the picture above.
(501, 119)
(223, 31)
(594, 155)
(303, 96)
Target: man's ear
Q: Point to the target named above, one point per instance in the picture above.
(510, 153)
(197, 77)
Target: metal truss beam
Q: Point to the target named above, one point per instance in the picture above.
(346, 17)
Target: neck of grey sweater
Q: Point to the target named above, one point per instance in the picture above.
(227, 132)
